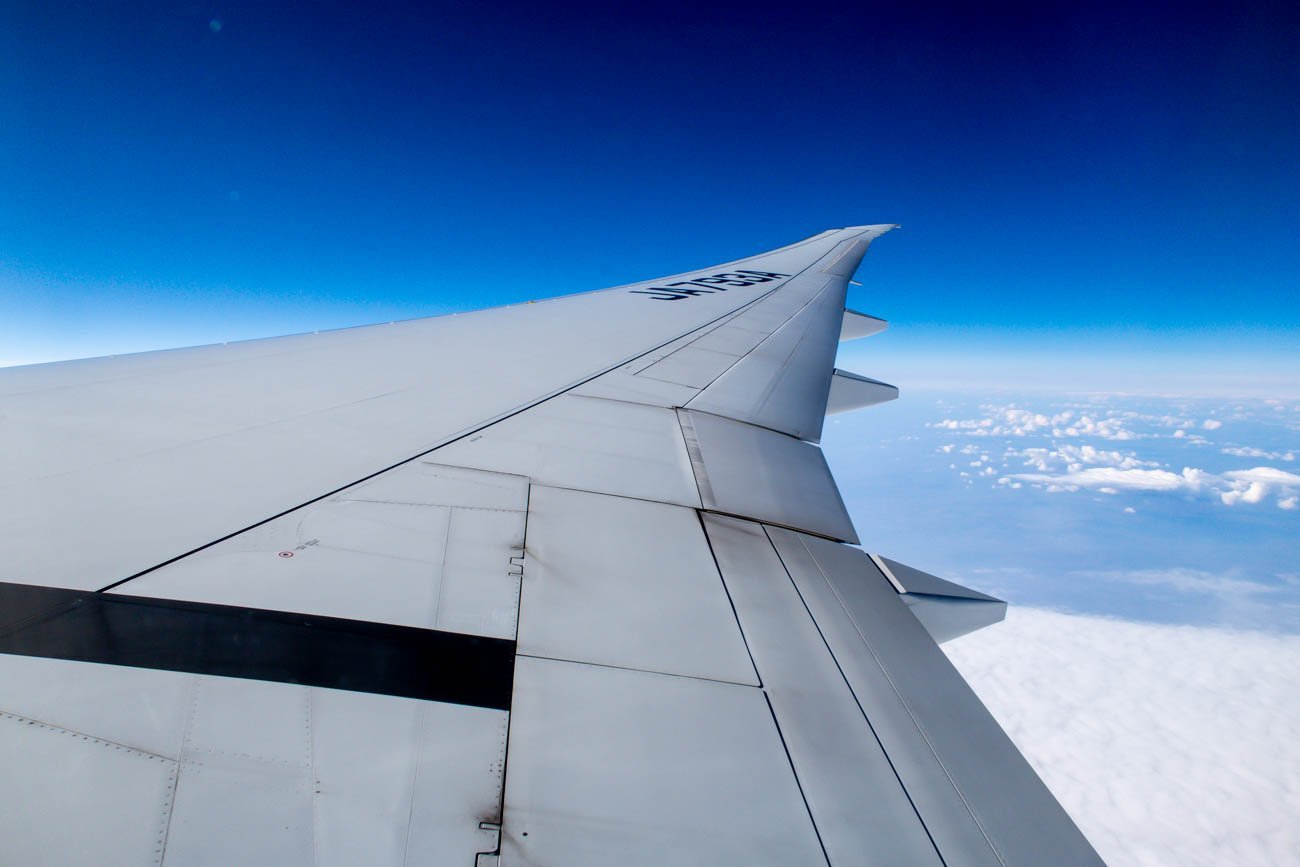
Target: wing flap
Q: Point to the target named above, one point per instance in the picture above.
(862, 812)
(970, 784)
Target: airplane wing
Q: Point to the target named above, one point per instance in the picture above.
(563, 582)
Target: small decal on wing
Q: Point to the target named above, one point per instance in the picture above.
(708, 285)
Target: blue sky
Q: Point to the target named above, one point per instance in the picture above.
(1098, 180)
(1099, 205)
(1159, 509)
(1097, 201)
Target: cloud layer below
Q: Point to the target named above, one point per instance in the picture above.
(1169, 745)
(1068, 463)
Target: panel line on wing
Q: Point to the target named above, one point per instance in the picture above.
(888, 679)
(461, 435)
(776, 723)
(840, 668)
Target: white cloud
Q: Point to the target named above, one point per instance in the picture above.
(1167, 744)
(1077, 455)
(1270, 475)
(1135, 480)
(1252, 452)
(1094, 419)
(1233, 487)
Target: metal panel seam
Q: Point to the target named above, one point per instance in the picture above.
(849, 245)
(423, 713)
(798, 784)
(884, 570)
(26, 720)
(698, 469)
(776, 381)
(186, 733)
(449, 440)
(770, 334)
(758, 676)
(514, 675)
(849, 686)
(902, 701)
(735, 313)
(751, 424)
(315, 776)
(613, 667)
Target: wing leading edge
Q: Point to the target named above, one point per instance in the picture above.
(641, 536)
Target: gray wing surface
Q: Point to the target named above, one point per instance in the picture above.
(562, 582)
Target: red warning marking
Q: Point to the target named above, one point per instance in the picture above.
(286, 553)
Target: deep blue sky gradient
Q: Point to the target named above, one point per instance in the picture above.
(1067, 175)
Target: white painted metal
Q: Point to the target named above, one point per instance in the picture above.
(627, 583)
(948, 820)
(981, 801)
(945, 609)
(736, 336)
(422, 545)
(861, 810)
(139, 708)
(908, 579)
(369, 561)
(757, 473)
(782, 384)
(692, 366)
(949, 617)
(275, 773)
(775, 381)
(105, 764)
(72, 799)
(456, 780)
(844, 259)
(624, 384)
(381, 759)
(849, 391)
(590, 444)
(857, 325)
(611, 766)
(428, 483)
(247, 784)
(112, 466)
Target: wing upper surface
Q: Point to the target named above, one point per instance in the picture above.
(153, 455)
(619, 494)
